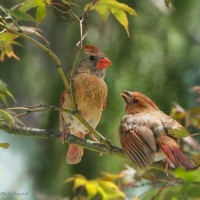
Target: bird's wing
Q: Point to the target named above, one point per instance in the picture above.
(61, 120)
(175, 130)
(139, 144)
(172, 127)
(174, 154)
(104, 104)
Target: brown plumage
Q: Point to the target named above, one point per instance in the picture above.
(90, 93)
(147, 134)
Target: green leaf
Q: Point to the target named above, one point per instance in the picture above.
(179, 133)
(190, 190)
(119, 10)
(69, 3)
(4, 145)
(188, 176)
(150, 194)
(40, 13)
(4, 91)
(39, 4)
(29, 4)
(6, 117)
(20, 15)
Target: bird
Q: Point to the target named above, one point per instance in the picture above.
(90, 95)
(148, 135)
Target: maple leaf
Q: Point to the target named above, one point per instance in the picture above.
(117, 9)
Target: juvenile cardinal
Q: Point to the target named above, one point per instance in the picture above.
(90, 94)
(148, 135)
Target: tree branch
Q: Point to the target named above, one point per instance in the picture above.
(55, 135)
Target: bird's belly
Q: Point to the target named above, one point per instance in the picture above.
(159, 156)
(74, 125)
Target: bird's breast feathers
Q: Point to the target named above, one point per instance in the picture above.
(90, 95)
(89, 91)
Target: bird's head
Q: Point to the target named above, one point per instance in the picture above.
(137, 102)
(96, 62)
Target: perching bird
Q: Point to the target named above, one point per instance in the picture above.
(148, 135)
(90, 94)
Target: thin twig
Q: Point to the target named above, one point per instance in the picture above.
(81, 20)
(74, 65)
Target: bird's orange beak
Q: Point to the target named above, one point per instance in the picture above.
(126, 95)
(103, 63)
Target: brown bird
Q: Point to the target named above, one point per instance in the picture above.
(148, 135)
(90, 94)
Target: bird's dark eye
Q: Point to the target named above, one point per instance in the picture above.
(134, 100)
(92, 58)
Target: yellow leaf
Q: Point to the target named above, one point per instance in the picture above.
(119, 10)
(7, 40)
(108, 185)
(108, 176)
(91, 188)
(79, 181)
(111, 189)
(122, 18)
(4, 145)
(103, 11)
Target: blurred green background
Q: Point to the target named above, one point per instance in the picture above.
(161, 59)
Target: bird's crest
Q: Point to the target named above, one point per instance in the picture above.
(88, 49)
(146, 99)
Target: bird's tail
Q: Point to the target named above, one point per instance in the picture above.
(75, 152)
(174, 154)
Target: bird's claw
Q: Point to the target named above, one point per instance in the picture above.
(63, 136)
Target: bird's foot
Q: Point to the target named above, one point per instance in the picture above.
(63, 136)
(167, 164)
(93, 137)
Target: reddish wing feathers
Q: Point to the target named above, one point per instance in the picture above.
(62, 100)
(104, 104)
(75, 152)
(174, 154)
(137, 148)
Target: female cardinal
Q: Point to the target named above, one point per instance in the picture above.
(148, 135)
(90, 94)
